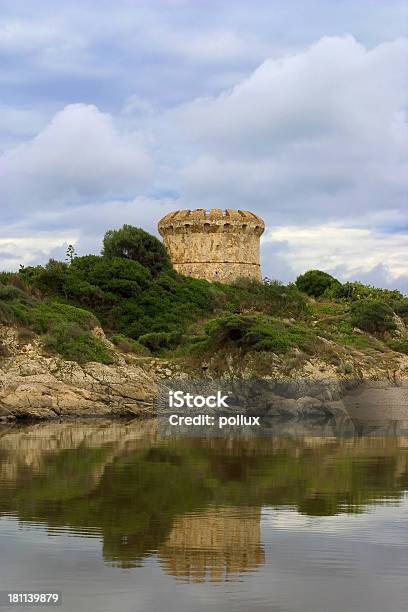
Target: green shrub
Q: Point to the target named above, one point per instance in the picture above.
(6, 313)
(156, 341)
(355, 291)
(316, 282)
(65, 328)
(136, 244)
(169, 304)
(372, 316)
(128, 345)
(196, 339)
(258, 333)
(50, 279)
(115, 275)
(124, 297)
(348, 368)
(5, 277)
(228, 328)
(45, 316)
(401, 345)
(269, 296)
(344, 327)
(9, 293)
(400, 308)
(77, 344)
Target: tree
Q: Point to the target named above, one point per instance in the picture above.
(134, 243)
(316, 282)
(70, 254)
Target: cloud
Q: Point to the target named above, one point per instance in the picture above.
(45, 233)
(78, 155)
(318, 134)
(335, 87)
(25, 37)
(207, 106)
(349, 253)
(32, 250)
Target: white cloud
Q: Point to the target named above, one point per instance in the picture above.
(315, 140)
(45, 233)
(320, 133)
(79, 154)
(23, 37)
(31, 250)
(334, 87)
(349, 253)
(212, 46)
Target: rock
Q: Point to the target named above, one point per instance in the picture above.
(308, 403)
(400, 326)
(35, 386)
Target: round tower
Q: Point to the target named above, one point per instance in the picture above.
(218, 245)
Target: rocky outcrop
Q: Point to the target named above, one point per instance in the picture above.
(39, 386)
(34, 384)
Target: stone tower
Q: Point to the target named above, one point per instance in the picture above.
(218, 245)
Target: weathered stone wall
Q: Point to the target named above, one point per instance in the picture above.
(215, 244)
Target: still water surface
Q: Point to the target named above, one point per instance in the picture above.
(117, 518)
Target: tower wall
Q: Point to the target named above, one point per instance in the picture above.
(215, 244)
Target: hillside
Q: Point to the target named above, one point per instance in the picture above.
(129, 307)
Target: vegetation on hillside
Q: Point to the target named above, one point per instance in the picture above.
(145, 307)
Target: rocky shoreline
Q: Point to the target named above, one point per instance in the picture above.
(34, 385)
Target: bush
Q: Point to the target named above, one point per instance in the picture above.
(128, 345)
(6, 313)
(125, 297)
(373, 316)
(401, 308)
(111, 276)
(157, 341)
(50, 279)
(45, 316)
(228, 328)
(169, 304)
(76, 344)
(9, 293)
(66, 329)
(316, 282)
(136, 244)
(258, 333)
(269, 296)
(355, 291)
(401, 346)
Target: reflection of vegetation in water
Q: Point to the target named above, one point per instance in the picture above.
(135, 492)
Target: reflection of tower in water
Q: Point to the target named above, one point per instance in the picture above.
(215, 544)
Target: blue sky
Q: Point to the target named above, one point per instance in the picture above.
(117, 112)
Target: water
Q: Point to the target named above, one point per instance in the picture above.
(117, 518)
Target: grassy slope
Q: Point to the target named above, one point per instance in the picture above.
(187, 319)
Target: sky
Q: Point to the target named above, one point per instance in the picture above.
(119, 112)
